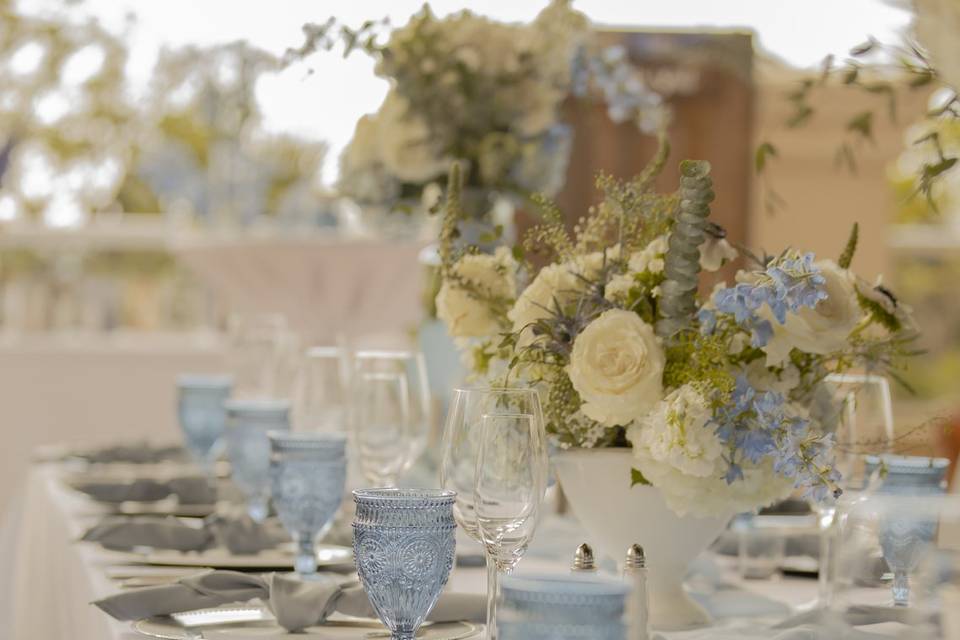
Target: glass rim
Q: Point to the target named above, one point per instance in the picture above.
(189, 381)
(908, 464)
(269, 406)
(403, 494)
(495, 390)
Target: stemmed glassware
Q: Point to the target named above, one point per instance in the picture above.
(322, 401)
(404, 544)
(307, 473)
(390, 412)
(858, 408)
(202, 416)
(255, 352)
(495, 458)
(248, 447)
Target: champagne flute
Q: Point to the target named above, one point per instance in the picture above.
(510, 481)
(254, 345)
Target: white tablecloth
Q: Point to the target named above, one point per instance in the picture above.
(48, 579)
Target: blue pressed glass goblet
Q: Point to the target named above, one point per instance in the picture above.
(248, 447)
(403, 541)
(904, 533)
(202, 417)
(307, 476)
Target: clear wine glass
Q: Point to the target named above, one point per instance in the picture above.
(381, 415)
(322, 401)
(390, 405)
(510, 480)
(255, 342)
(858, 409)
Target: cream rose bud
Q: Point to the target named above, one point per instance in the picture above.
(555, 283)
(822, 329)
(464, 315)
(617, 367)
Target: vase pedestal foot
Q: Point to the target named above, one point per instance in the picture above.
(672, 609)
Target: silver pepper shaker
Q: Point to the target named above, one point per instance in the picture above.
(583, 560)
(638, 600)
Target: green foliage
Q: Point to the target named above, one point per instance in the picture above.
(678, 301)
(700, 360)
(764, 151)
(851, 248)
(636, 477)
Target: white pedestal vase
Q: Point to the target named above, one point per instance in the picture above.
(597, 485)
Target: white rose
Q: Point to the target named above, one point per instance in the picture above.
(676, 433)
(464, 315)
(616, 366)
(822, 329)
(555, 283)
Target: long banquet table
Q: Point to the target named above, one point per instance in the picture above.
(53, 577)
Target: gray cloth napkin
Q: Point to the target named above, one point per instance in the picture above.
(135, 453)
(187, 489)
(296, 604)
(240, 535)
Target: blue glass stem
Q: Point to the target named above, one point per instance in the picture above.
(258, 508)
(306, 561)
(901, 589)
(493, 589)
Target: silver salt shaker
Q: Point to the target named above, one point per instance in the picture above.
(583, 560)
(638, 600)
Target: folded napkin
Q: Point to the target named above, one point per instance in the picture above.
(135, 453)
(187, 489)
(297, 604)
(240, 535)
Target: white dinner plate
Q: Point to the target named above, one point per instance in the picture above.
(219, 558)
(165, 507)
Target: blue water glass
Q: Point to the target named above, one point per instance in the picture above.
(307, 476)
(403, 542)
(555, 607)
(248, 447)
(905, 534)
(202, 417)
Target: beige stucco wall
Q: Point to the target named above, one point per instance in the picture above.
(823, 200)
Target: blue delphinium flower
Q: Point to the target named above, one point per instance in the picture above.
(787, 285)
(756, 426)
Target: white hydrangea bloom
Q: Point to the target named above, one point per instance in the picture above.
(678, 452)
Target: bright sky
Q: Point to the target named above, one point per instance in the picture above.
(327, 104)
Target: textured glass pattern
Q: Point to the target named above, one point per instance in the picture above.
(307, 474)
(905, 534)
(403, 541)
(561, 608)
(248, 447)
(201, 413)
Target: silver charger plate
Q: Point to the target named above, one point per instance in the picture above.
(328, 555)
(226, 622)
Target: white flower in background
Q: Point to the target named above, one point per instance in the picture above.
(714, 252)
(880, 295)
(616, 366)
(554, 284)
(464, 315)
(649, 260)
(822, 329)
(406, 149)
(676, 433)
(762, 378)
(937, 25)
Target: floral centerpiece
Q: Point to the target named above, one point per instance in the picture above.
(707, 400)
